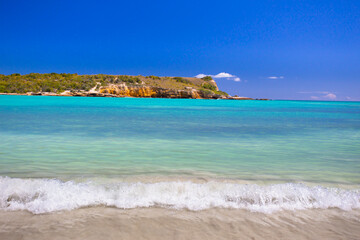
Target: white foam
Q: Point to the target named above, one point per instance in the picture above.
(48, 195)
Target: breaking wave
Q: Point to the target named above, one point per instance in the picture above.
(48, 195)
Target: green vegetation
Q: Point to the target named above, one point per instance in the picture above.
(52, 82)
(154, 77)
(221, 93)
(182, 80)
(121, 79)
(209, 86)
(55, 82)
(207, 78)
(206, 91)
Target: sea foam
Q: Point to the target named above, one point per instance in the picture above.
(48, 195)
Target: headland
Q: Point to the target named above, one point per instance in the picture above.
(102, 85)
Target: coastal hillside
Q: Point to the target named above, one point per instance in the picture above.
(110, 85)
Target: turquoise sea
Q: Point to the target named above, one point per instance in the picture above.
(61, 153)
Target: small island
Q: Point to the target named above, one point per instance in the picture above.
(103, 85)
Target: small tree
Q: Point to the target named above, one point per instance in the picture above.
(207, 78)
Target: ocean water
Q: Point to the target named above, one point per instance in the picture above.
(66, 153)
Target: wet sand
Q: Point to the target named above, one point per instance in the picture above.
(159, 223)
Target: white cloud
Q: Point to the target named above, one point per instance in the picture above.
(225, 75)
(201, 75)
(330, 96)
(275, 77)
(321, 95)
(316, 92)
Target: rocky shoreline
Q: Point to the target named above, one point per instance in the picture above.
(138, 91)
(98, 94)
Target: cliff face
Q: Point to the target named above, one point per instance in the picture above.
(164, 87)
(155, 92)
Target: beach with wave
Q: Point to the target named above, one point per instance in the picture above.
(126, 168)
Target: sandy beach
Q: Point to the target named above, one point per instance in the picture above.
(156, 223)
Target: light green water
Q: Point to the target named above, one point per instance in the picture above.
(269, 141)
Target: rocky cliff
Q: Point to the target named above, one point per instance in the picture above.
(156, 92)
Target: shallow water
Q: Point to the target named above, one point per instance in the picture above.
(271, 141)
(258, 157)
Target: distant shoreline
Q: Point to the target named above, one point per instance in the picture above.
(104, 85)
(122, 96)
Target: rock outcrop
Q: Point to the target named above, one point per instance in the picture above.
(156, 92)
(142, 91)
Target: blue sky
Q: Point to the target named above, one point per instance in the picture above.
(274, 49)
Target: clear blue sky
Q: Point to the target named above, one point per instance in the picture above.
(276, 49)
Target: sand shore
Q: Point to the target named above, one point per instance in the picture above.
(156, 223)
